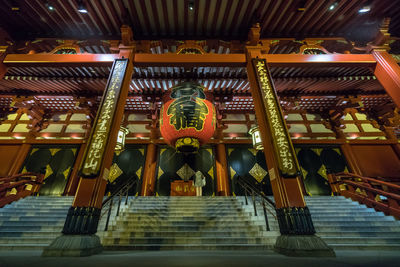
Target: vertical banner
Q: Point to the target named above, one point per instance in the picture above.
(283, 147)
(102, 125)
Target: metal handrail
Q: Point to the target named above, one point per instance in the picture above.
(120, 192)
(255, 192)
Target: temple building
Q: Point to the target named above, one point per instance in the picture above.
(115, 115)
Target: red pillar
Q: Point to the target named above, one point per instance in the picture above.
(72, 185)
(222, 171)
(22, 153)
(78, 235)
(387, 71)
(295, 223)
(149, 172)
(3, 69)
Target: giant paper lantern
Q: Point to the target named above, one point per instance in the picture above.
(187, 117)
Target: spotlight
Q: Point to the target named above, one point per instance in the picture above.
(333, 6)
(191, 6)
(49, 6)
(365, 9)
(82, 7)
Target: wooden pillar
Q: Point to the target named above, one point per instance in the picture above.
(22, 154)
(387, 71)
(3, 69)
(350, 158)
(80, 226)
(287, 192)
(222, 171)
(72, 185)
(297, 230)
(149, 172)
(346, 149)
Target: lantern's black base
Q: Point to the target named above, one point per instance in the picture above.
(187, 145)
(74, 246)
(303, 246)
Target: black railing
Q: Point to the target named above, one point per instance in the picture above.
(257, 195)
(120, 192)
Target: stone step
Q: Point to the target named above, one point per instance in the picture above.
(190, 247)
(345, 246)
(204, 217)
(362, 240)
(142, 228)
(38, 206)
(335, 207)
(183, 240)
(34, 213)
(382, 234)
(42, 222)
(29, 233)
(356, 228)
(31, 228)
(36, 246)
(322, 218)
(29, 240)
(185, 223)
(348, 213)
(200, 233)
(30, 218)
(355, 223)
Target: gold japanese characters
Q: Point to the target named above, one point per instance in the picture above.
(282, 144)
(100, 135)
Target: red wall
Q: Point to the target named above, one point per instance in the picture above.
(377, 160)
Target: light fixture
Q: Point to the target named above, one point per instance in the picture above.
(301, 6)
(191, 6)
(256, 138)
(121, 139)
(365, 9)
(49, 6)
(333, 6)
(82, 7)
(15, 6)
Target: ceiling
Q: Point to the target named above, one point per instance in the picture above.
(197, 19)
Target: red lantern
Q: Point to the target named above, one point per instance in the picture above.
(187, 117)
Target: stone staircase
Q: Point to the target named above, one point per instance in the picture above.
(187, 223)
(345, 224)
(32, 222)
(156, 223)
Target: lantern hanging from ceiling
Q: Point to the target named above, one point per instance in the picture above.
(256, 138)
(187, 118)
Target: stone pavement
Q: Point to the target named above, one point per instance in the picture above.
(200, 258)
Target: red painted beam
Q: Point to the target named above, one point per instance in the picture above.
(329, 60)
(190, 60)
(276, 60)
(387, 71)
(233, 60)
(57, 60)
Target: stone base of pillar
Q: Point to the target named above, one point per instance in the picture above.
(74, 246)
(303, 246)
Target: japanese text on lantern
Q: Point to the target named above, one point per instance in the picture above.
(282, 144)
(97, 144)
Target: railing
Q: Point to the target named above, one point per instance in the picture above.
(120, 192)
(377, 194)
(15, 187)
(257, 195)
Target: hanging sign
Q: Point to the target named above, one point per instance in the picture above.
(282, 144)
(101, 128)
